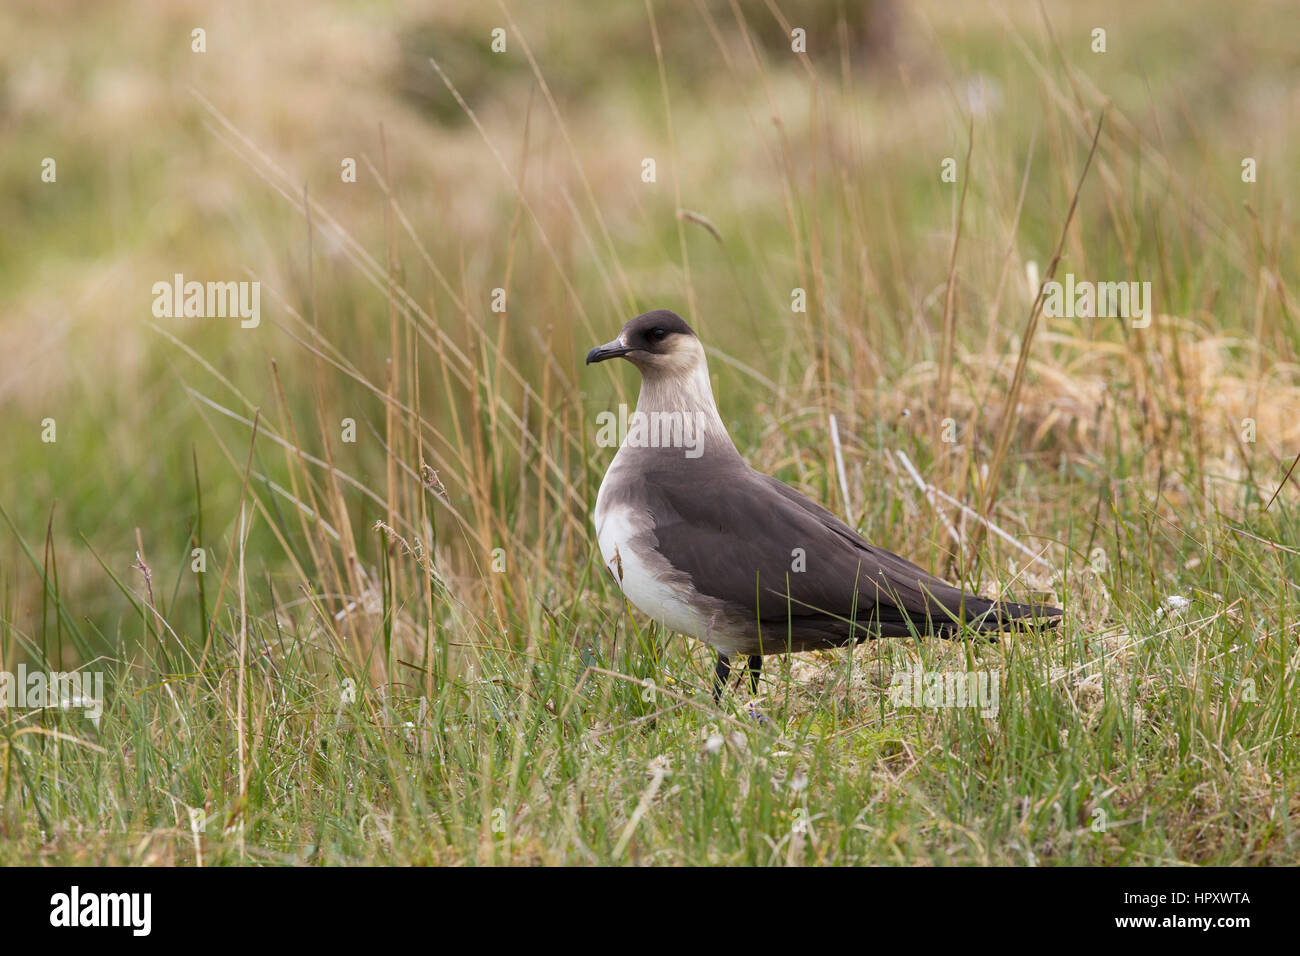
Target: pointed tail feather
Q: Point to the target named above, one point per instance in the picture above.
(990, 616)
(1008, 616)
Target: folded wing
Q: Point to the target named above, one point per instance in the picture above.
(763, 549)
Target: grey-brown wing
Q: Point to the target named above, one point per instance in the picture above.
(762, 548)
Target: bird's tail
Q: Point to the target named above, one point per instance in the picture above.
(1009, 616)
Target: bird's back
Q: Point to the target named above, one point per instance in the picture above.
(784, 571)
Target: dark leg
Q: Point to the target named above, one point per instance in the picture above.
(755, 671)
(720, 675)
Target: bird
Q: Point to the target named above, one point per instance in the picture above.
(709, 547)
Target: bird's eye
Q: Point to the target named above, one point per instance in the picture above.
(659, 334)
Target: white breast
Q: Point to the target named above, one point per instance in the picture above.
(642, 574)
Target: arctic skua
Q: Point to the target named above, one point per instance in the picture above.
(711, 548)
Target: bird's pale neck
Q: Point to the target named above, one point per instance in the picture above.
(682, 391)
(677, 387)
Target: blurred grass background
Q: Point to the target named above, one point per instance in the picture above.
(775, 171)
(145, 189)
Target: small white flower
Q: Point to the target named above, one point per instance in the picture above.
(983, 95)
(714, 744)
(1174, 605)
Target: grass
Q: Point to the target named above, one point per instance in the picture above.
(403, 649)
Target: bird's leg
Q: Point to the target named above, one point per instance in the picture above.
(755, 672)
(720, 675)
